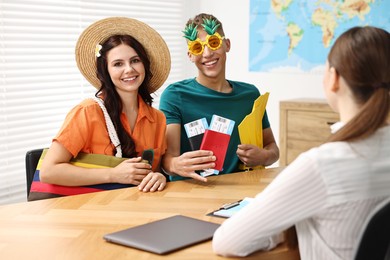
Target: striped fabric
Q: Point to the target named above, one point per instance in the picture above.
(328, 193)
(40, 190)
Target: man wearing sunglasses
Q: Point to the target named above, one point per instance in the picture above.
(208, 94)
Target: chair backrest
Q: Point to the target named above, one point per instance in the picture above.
(375, 240)
(32, 158)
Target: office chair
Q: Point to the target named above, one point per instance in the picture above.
(32, 158)
(375, 239)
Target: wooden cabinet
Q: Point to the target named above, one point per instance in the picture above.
(304, 123)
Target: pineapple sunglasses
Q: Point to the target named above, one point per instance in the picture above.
(214, 42)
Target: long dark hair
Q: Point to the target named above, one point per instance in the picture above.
(361, 56)
(112, 100)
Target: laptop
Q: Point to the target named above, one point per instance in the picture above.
(165, 235)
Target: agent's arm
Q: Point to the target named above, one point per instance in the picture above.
(298, 193)
(251, 155)
(186, 164)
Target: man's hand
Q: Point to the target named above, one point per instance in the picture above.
(186, 164)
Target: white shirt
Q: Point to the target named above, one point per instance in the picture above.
(327, 192)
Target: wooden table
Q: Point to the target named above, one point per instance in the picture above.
(73, 227)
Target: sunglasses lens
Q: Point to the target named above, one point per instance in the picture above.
(214, 42)
(196, 48)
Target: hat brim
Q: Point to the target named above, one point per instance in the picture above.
(98, 32)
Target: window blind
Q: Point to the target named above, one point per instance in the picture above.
(40, 81)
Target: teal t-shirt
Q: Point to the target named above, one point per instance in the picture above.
(187, 100)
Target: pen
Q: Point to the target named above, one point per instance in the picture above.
(231, 204)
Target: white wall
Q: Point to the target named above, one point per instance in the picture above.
(234, 15)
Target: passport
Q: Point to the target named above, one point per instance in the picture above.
(218, 143)
(196, 141)
(195, 131)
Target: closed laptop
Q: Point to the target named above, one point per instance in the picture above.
(165, 235)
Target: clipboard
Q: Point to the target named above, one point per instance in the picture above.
(229, 209)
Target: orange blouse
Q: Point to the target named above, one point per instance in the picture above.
(84, 130)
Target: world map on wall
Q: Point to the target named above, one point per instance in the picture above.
(296, 35)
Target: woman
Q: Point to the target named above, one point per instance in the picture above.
(126, 61)
(329, 191)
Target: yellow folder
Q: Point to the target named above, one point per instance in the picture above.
(250, 129)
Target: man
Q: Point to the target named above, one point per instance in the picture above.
(210, 93)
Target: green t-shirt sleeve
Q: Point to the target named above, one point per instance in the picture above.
(170, 103)
(265, 121)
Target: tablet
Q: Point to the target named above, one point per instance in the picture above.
(165, 235)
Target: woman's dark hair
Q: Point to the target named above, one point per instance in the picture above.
(112, 100)
(361, 56)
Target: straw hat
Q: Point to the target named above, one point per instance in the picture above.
(98, 32)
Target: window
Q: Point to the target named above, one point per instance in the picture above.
(40, 81)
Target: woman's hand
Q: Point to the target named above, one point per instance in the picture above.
(154, 181)
(131, 171)
(134, 171)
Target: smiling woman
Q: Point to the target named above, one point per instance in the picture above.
(123, 101)
(40, 81)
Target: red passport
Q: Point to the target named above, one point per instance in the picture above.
(218, 143)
